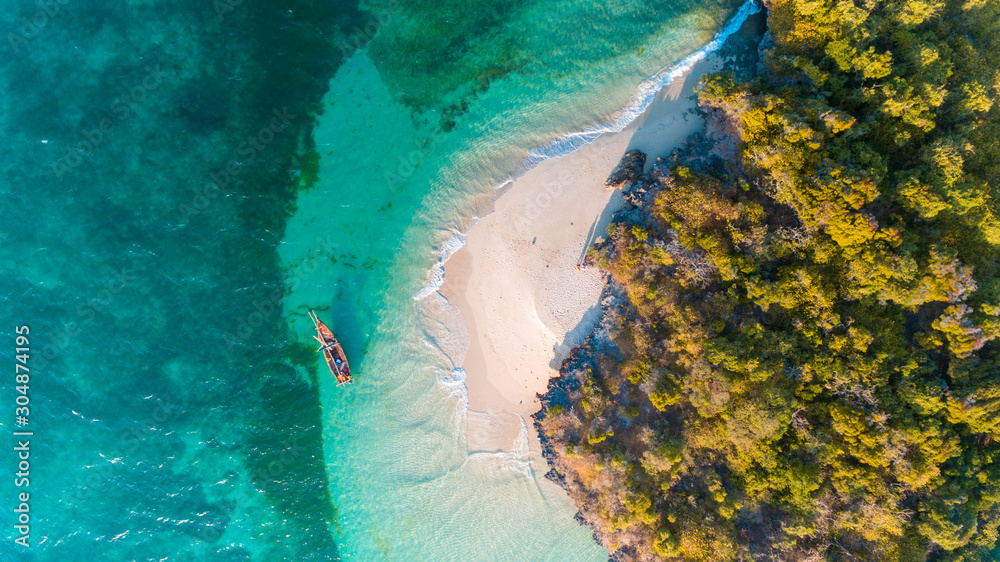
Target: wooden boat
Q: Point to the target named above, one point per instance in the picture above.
(332, 352)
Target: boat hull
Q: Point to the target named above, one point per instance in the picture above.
(333, 353)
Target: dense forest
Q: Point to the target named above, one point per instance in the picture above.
(798, 358)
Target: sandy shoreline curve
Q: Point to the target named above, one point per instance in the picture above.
(516, 280)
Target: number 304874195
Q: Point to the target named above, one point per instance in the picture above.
(22, 375)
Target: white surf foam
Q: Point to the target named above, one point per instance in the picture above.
(567, 144)
(449, 246)
(643, 98)
(515, 457)
(454, 383)
(486, 436)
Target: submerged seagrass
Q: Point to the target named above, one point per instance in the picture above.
(150, 153)
(798, 357)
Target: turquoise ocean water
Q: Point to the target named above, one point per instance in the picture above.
(183, 180)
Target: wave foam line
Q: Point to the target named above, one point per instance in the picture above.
(449, 246)
(517, 459)
(641, 100)
(567, 144)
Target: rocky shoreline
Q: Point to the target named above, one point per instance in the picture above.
(708, 152)
(702, 152)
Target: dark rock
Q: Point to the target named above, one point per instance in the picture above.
(628, 170)
(763, 48)
(556, 477)
(637, 195)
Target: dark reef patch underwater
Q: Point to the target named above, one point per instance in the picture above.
(154, 153)
(149, 165)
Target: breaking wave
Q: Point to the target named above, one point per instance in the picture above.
(569, 143)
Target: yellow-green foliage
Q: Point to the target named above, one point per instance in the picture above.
(810, 367)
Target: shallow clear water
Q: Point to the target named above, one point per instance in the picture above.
(161, 427)
(173, 210)
(403, 476)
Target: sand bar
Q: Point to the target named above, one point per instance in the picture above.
(516, 280)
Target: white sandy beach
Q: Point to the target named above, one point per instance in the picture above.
(516, 280)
